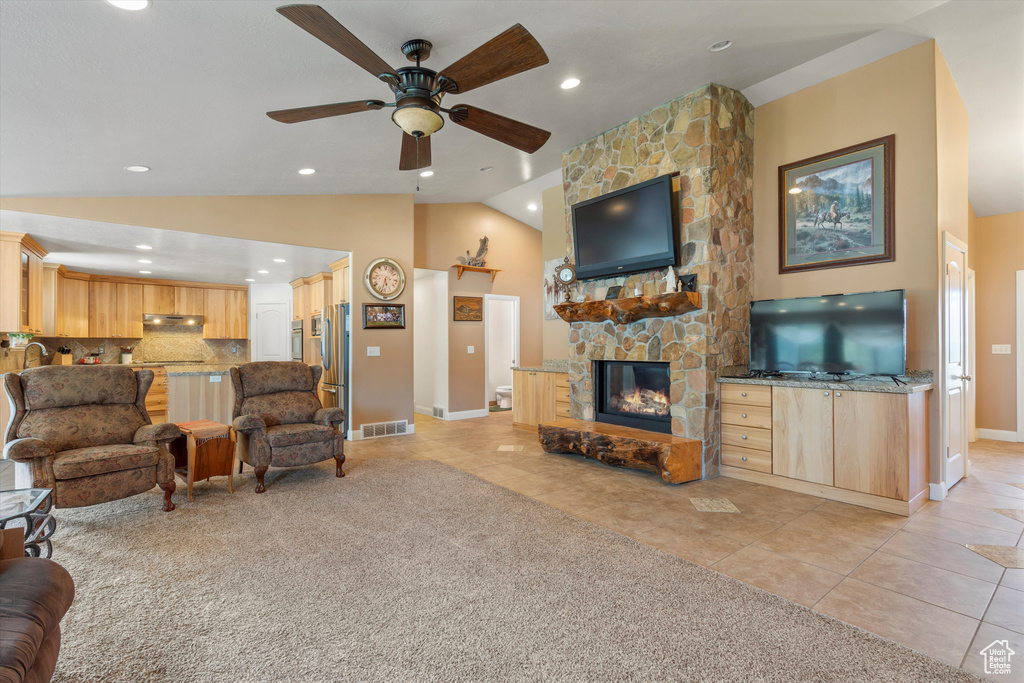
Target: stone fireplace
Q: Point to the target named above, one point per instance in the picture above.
(633, 394)
(705, 138)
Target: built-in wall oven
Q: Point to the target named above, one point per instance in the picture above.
(297, 340)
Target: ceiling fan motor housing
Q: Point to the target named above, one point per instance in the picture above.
(416, 110)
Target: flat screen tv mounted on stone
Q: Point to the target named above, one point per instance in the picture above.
(626, 231)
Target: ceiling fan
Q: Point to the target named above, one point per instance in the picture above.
(418, 90)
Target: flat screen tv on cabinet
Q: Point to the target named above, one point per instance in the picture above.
(864, 334)
(625, 231)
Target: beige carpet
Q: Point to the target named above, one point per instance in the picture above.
(414, 571)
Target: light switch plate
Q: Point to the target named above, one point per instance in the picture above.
(372, 350)
(214, 378)
(470, 349)
(1001, 349)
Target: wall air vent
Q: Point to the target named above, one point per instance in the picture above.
(379, 429)
(439, 412)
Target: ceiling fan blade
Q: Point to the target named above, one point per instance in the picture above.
(317, 22)
(322, 111)
(517, 134)
(508, 54)
(408, 160)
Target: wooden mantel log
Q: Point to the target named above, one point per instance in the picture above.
(625, 311)
(675, 458)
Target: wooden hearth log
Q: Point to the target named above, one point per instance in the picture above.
(675, 458)
(627, 311)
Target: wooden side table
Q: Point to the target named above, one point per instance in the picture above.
(205, 449)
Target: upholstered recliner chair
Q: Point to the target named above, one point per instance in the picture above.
(279, 420)
(86, 433)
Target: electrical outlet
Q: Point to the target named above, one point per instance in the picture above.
(1001, 349)
(470, 349)
(372, 350)
(101, 350)
(234, 349)
(214, 378)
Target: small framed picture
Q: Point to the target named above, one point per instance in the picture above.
(468, 308)
(384, 316)
(613, 292)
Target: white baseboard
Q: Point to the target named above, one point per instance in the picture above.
(424, 410)
(998, 435)
(467, 414)
(937, 491)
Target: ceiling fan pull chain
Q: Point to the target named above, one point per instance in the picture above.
(418, 160)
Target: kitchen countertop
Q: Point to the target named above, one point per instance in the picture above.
(549, 366)
(873, 384)
(182, 369)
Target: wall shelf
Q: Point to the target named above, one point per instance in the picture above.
(459, 270)
(625, 311)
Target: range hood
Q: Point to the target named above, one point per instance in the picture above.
(157, 319)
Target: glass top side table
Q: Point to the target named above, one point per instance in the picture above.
(30, 509)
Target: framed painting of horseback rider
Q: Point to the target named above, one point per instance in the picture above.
(836, 209)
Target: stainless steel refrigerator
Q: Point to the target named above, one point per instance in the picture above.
(334, 344)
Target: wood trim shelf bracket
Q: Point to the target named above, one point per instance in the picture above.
(460, 269)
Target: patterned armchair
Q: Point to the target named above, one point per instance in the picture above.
(279, 420)
(86, 433)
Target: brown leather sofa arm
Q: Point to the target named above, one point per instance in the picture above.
(329, 416)
(165, 431)
(24, 450)
(248, 423)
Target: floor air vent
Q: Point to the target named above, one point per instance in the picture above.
(379, 429)
(439, 412)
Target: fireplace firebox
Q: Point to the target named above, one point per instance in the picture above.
(633, 394)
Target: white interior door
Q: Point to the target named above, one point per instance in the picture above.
(501, 342)
(273, 332)
(954, 359)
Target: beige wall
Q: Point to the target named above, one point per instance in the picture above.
(445, 231)
(556, 332)
(996, 254)
(370, 226)
(911, 95)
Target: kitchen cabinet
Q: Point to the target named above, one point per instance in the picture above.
(300, 292)
(51, 294)
(536, 396)
(747, 427)
(157, 398)
(73, 307)
(21, 283)
(189, 301)
(802, 436)
(340, 281)
(173, 300)
(227, 314)
(320, 294)
(115, 310)
(158, 299)
(195, 397)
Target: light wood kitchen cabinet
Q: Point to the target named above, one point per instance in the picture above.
(157, 398)
(320, 292)
(115, 310)
(747, 427)
(801, 437)
(51, 296)
(189, 301)
(300, 291)
(158, 299)
(339, 285)
(73, 308)
(227, 314)
(536, 395)
(21, 283)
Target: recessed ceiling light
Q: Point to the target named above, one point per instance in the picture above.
(570, 83)
(487, 168)
(531, 206)
(262, 272)
(249, 279)
(145, 272)
(130, 4)
(143, 246)
(137, 169)
(307, 171)
(142, 260)
(279, 260)
(426, 174)
(720, 45)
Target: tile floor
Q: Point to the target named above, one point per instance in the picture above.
(910, 580)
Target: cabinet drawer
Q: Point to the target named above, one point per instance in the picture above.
(747, 458)
(562, 409)
(562, 379)
(747, 437)
(746, 416)
(561, 394)
(747, 394)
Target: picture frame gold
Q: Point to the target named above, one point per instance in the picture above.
(468, 308)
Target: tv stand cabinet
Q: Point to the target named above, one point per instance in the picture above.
(864, 443)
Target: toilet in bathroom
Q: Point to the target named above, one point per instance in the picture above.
(504, 396)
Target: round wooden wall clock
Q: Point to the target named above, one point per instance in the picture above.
(385, 279)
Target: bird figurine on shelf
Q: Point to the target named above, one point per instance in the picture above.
(477, 261)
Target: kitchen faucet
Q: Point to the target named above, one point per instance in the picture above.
(42, 353)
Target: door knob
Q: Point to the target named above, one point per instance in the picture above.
(966, 378)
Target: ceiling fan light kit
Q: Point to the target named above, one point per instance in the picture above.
(418, 90)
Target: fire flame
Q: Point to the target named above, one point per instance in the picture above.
(644, 402)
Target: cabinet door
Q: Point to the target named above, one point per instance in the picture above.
(237, 314)
(129, 311)
(871, 443)
(544, 396)
(802, 434)
(299, 302)
(51, 299)
(524, 386)
(102, 309)
(32, 293)
(73, 316)
(316, 297)
(158, 299)
(189, 301)
(345, 296)
(215, 309)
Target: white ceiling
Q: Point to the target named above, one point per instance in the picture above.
(183, 87)
(109, 249)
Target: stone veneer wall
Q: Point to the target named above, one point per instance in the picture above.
(707, 137)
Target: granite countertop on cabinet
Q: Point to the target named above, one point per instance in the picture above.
(915, 383)
(549, 366)
(180, 369)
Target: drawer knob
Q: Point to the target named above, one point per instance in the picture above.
(743, 415)
(826, 393)
(744, 458)
(744, 437)
(838, 394)
(743, 393)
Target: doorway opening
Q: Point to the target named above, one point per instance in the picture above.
(430, 343)
(501, 349)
